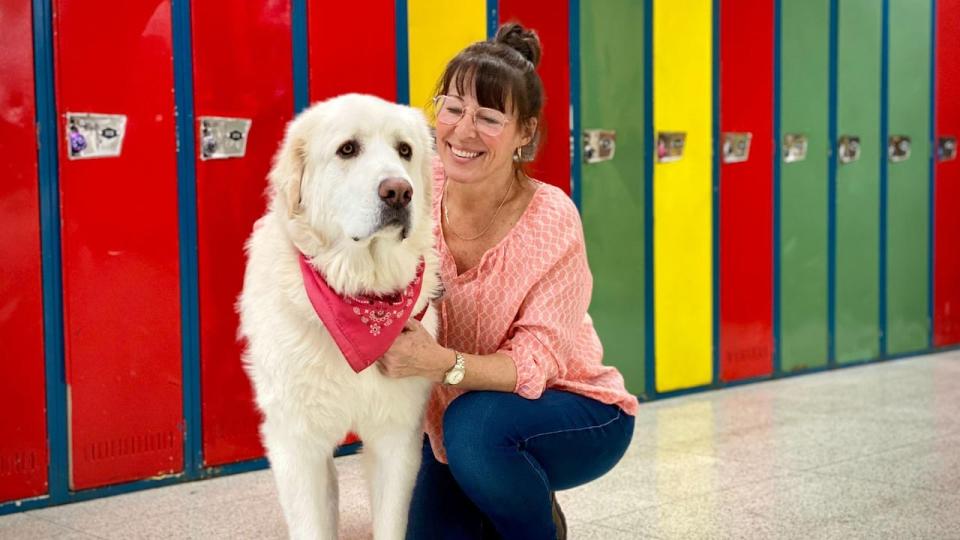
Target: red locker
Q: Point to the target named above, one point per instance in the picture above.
(351, 53)
(746, 189)
(23, 437)
(552, 164)
(230, 49)
(946, 256)
(121, 284)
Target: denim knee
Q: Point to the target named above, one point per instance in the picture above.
(470, 428)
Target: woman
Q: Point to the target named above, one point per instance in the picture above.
(524, 406)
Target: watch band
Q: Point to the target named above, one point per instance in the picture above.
(455, 374)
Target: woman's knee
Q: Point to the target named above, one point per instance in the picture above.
(473, 425)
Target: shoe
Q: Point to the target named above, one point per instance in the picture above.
(558, 518)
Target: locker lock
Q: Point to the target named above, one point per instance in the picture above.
(947, 148)
(91, 135)
(670, 146)
(736, 147)
(599, 145)
(898, 148)
(223, 138)
(794, 147)
(848, 148)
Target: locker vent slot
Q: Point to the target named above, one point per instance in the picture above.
(24, 462)
(129, 446)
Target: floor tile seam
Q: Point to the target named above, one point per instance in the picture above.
(674, 447)
(901, 487)
(68, 527)
(878, 453)
(619, 529)
(735, 461)
(160, 515)
(684, 498)
(886, 483)
(789, 468)
(596, 521)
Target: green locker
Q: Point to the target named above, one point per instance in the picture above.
(908, 177)
(804, 115)
(858, 154)
(612, 191)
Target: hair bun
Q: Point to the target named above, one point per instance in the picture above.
(520, 39)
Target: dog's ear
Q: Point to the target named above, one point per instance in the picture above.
(286, 175)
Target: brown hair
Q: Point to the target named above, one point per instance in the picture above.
(503, 73)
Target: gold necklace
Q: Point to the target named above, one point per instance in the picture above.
(446, 212)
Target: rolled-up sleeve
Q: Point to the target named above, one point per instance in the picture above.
(541, 339)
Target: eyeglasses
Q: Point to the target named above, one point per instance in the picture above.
(449, 110)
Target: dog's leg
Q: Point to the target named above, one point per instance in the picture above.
(307, 483)
(391, 458)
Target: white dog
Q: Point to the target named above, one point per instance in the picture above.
(350, 191)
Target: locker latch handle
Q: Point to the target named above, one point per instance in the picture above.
(735, 147)
(947, 148)
(599, 145)
(222, 137)
(670, 145)
(898, 148)
(794, 147)
(848, 148)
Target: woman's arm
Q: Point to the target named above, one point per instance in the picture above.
(415, 353)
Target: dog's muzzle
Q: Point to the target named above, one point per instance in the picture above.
(395, 216)
(395, 196)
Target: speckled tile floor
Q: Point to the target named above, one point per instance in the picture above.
(866, 452)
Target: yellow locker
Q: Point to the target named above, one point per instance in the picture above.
(438, 31)
(683, 194)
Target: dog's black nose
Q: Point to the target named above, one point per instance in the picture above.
(396, 193)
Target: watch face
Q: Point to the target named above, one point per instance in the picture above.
(454, 377)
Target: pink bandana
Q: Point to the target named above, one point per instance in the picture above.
(363, 327)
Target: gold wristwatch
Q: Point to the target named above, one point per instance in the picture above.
(455, 374)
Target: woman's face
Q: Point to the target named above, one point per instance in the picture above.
(471, 156)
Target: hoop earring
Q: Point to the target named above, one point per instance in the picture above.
(519, 154)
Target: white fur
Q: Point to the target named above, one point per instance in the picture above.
(309, 395)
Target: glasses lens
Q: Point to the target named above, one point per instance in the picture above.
(449, 109)
(490, 121)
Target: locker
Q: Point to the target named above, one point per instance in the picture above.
(552, 164)
(946, 257)
(23, 438)
(437, 32)
(613, 200)
(683, 193)
(350, 53)
(908, 177)
(746, 189)
(229, 46)
(804, 114)
(118, 197)
(857, 185)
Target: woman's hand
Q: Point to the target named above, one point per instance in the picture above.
(416, 353)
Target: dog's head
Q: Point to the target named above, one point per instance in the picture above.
(354, 168)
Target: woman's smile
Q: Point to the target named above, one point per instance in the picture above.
(462, 154)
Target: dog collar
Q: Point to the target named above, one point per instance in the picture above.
(363, 327)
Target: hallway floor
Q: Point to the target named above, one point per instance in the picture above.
(866, 452)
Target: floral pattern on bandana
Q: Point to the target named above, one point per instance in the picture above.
(378, 313)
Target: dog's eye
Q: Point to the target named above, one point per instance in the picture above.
(348, 149)
(405, 151)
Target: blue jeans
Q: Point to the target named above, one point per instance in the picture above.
(506, 456)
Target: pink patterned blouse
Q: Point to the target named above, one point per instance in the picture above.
(527, 299)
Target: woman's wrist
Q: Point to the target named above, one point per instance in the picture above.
(444, 359)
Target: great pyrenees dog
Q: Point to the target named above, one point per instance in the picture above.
(343, 254)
